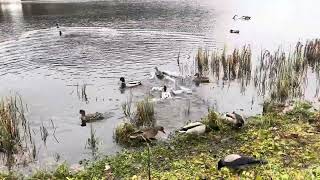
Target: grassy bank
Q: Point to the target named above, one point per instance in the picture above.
(290, 142)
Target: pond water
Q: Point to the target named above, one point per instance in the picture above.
(104, 40)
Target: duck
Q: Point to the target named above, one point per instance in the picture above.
(246, 17)
(236, 119)
(165, 94)
(129, 84)
(159, 74)
(234, 31)
(238, 162)
(195, 128)
(86, 118)
(200, 79)
(148, 133)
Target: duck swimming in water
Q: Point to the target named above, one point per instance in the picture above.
(165, 94)
(159, 74)
(200, 79)
(234, 31)
(148, 133)
(129, 84)
(86, 118)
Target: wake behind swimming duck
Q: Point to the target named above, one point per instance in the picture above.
(86, 118)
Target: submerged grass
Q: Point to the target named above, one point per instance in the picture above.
(289, 142)
(16, 143)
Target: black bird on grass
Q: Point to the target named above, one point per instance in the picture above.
(238, 162)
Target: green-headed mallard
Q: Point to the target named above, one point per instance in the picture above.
(129, 84)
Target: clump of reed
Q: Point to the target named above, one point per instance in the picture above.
(144, 115)
(234, 66)
(15, 135)
(123, 132)
(202, 61)
(92, 142)
(213, 121)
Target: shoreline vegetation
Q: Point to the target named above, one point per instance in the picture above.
(288, 139)
(287, 134)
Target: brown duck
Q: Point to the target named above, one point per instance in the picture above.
(148, 133)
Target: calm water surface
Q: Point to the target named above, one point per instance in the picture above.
(104, 40)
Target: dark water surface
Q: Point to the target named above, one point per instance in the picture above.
(104, 40)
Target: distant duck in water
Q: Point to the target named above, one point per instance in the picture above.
(200, 79)
(57, 25)
(236, 119)
(159, 74)
(165, 94)
(86, 118)
(60, 33)
(234, 31)
(129, 84)
(148, 133)
(195, 128)
(242, 17)
(238, 162)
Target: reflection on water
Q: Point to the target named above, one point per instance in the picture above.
(105, 40)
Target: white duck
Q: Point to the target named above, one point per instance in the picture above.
(196, 128)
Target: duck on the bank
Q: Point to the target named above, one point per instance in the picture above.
(86, 118)
(236, 119)
(234, 31)
(129, 84)
(196, 128)
(148, 133)
(238, 162)
(165, 94)
(200, 79)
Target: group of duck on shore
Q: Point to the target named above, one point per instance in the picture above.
(233, 161)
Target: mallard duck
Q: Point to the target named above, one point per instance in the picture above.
(235, 119)
(86, 118)
(234, 31)
(165, 94)
(129, 84)
(246, 17)
(200, 79)
(238, 162)
(148, 133)
(196, 128)
(159, 74)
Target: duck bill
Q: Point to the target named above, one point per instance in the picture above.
(163, 132)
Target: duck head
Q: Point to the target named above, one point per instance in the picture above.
(160, 128)
(156, 68)
(122, 79)
(82, 112)
(220, 164)
(164, 88)
(123, 83)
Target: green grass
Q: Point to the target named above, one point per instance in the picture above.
(290, 142)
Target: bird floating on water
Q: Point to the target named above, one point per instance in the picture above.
(86, 118)
(129, 84)
(159, 74)
(238, 162)
(148, 133)
(242, 17)
(234, 31)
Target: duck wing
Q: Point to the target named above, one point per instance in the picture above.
(244, 162)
